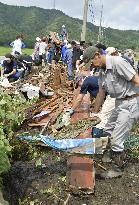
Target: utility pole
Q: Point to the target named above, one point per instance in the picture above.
(100, 26)
(54, 4)
(83, 33)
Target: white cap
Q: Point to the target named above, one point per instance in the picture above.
(69, 45)
(110, 50)
(63, 26)
(38, 39)
(65, 41)
(77, 42)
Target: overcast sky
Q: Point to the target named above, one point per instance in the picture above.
(120, 14)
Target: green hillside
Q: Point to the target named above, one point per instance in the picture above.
(34, 21)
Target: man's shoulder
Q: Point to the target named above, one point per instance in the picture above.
(113, 61)
(91, 80)
(91, 77)
(118, 59)
(13, 62)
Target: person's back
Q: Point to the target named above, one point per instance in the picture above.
(8, 67)
(77, 52)
(68, 56)
(64, 33)
(42, 47)
(90, 85)
(17, 45)
(68, 61)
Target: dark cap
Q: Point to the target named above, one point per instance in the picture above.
(88, 54)
(101, 46)
(8, 55)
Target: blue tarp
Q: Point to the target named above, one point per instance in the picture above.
(82, 146)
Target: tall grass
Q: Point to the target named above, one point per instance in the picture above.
(4, 50)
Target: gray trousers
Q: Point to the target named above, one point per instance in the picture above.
(121, 122)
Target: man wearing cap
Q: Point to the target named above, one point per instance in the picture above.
(119, 79)
(64, 33)
(111, 51)
(87, 84)
(10, 68)
(77, 52)
(35, 55)
(63, 50)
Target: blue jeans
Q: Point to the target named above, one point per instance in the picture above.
(70, 70)
(15, 76)
(50, 57)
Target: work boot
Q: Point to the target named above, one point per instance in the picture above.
(118, 158)
(114, 172)
(106, 157)
(116, 162)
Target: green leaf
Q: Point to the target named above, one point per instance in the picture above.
(3, 102)
(38, 162)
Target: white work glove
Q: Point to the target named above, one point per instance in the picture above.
(5, 75)
(71, 111)
(94, 114)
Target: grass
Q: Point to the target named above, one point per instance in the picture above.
(4, 50)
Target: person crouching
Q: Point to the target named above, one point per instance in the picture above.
(10, 68)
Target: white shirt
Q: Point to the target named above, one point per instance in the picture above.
(17, 46)
(42, 48)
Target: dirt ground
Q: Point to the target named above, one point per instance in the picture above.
(35, 183)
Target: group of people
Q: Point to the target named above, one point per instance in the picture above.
(46, 50)
(52, 51)
(113, 82)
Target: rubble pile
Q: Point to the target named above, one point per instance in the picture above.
(54, 94)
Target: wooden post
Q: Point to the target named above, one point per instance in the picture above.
(83, 33)
(56, 79)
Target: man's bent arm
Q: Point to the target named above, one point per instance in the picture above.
(135, 80)
(78, 101)
(13, 72)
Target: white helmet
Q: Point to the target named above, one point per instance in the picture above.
(38, 39)
(69, 45)
(110, 50)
